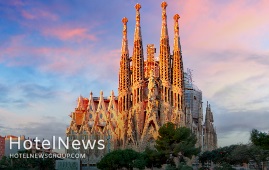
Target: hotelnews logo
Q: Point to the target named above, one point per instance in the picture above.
(45, 147)
(46, 144)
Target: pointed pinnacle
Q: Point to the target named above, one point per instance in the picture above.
(164, 5)
(124, 20)
(137, 7)
(176, 17)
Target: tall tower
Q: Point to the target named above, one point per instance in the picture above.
(124, 73)
(124, 84)
(137, 114)
(165, 68)
(210, 132)
(177, 74)
(137, 61)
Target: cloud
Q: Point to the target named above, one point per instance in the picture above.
(48, 127)
(20, 52)
(235, 127)
(67, 33)
(6, 98)
(15, 3)
(239, 96)
(208, 25)
(38, 14)
(36, 92)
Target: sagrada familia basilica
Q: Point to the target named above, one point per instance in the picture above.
(151, 93)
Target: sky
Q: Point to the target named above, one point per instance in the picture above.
(53, 51)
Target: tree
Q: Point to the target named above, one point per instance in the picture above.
(224, 166)
(206, 156)
(153, 158)
(174, 142)
(260, 139)
(245, 153)
(118, 159)
(5, 163)
(27, 163)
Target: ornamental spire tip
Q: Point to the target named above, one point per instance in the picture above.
(124, 20)
(176, 17)
(164, 5)
(137, 7)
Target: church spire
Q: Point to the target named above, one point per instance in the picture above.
(138, 58)
(124, 73)
(177, 58)
(177, 72)
(137, 35)
(165, 59)
(164, 33)
(124, 47)
(177, 46)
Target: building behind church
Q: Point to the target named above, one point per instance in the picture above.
(151, 93)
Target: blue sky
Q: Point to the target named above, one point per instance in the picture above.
(53, 51)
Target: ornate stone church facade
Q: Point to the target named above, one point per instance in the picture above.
(150, 94)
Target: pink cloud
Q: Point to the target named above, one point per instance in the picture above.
(213, 26)
(27, 15)
(16, 3)
(67, 33)
(38, 13)
(64, 60)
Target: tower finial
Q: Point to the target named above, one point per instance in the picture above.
(124, 32)
(164, 33)
(137, 7)
(176, 17)
(124, 20)
(124, 48)
(164, 5)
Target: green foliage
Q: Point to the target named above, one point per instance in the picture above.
(204, 168)
(224, 166)
(183, 166)
(170, 167)
(173, 140)
(206, 156)
(245, 153)
(117, 159)
(154, 158)
(260, 139)
(235, 154)
(27, 163)
(221, 155)
(5, 163)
